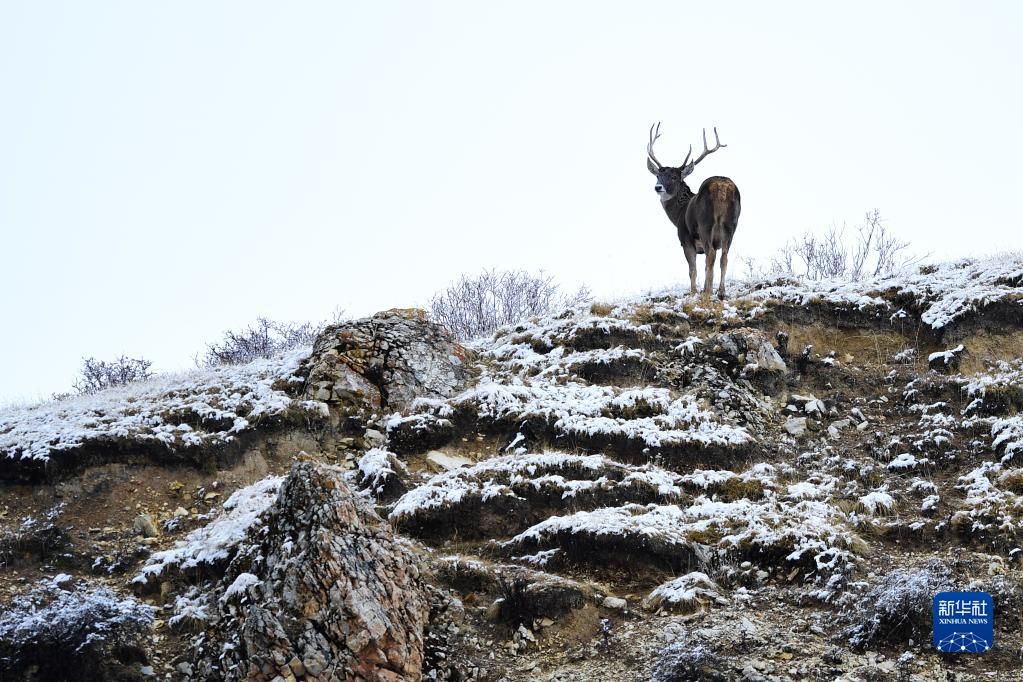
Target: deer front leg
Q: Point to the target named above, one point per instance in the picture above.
(708, 281)
(724, 268)
(690, 252)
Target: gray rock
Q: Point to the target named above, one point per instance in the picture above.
(374, 438)
(751, 348)
(388, 360)
(145, 526)
(616, 603)
(815, 406)
(796, 426)
(947, 362)
(446, 462)
(350, 593)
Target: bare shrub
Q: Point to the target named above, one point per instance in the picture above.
(870, 250)
(683, 660)
(97, 375)
(66, 631)
(898, 607)
(264, 339)
(477, 305)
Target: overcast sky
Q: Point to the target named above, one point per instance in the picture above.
(171, 170)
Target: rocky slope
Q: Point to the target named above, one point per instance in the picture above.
(661, 488)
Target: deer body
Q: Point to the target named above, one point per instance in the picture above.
(706, 221)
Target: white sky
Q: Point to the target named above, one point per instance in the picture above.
(171, 170)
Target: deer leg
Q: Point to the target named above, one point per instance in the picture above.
(708, 281)
(690, 252)
(724, 268)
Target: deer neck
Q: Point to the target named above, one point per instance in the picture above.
(676, 206)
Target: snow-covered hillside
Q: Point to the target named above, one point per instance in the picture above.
(661, 487)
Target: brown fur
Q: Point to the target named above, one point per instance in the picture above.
(710, 219)
(721, 192)
(705, 221)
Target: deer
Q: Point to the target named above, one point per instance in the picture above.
(706, 221)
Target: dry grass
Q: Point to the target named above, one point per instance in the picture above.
(876, 348)
(601, 309)
(867, 348)
(1012, 481)
(984, 346)
(642, 314)
(736, 489)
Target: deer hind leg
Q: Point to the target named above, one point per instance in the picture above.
(724, 268)
(708, 281)
(690, 252)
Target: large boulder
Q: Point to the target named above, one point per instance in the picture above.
(749, 354)
(320, 590)
(401, 353)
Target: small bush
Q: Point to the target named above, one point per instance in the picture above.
(97, 375)
(872, 250)
(684, 661)
(475, 306)
(263, 339)
(65, 631)
(898, 608)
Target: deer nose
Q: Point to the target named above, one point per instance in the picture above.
(659, 188)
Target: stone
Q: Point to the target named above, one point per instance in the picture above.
(350, 593)
(947, 362)
(782, 343)
(296, 667)
(382, 475)
(418, 433)
(386, 360)
(796, 426)
(374, 438)
(616, 603)
(815, 407)
(444, 462)
(749, 347)
(145, 526)
(494, 610)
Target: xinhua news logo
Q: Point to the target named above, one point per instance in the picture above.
(964, 622)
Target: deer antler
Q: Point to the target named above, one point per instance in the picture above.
(654, 135)
(687, 168)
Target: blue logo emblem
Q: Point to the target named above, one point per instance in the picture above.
(964, 622)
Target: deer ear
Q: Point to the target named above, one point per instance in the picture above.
(651, 166)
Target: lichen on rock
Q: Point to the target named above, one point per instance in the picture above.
(399, 352)
(321, 585)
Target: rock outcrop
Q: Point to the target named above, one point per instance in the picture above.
(320, 590)
(666, 488)
(399, 352)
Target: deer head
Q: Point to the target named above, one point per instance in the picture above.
(671, 179)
